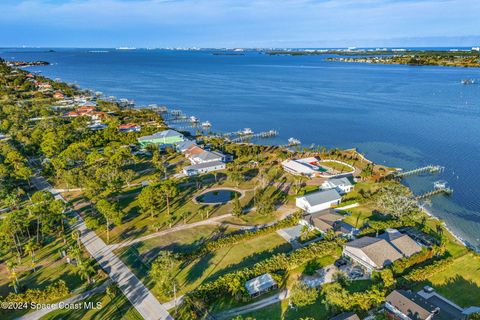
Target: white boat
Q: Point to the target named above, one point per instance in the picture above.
(193, 119)
(206, 124)
(247, 131)
(293, 142)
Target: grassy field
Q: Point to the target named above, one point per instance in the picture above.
(207, 267)
(117, 307)
(460, 282)
(335, 166)
(50, 268)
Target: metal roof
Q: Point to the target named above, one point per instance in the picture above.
(321, 197)
(260, 283)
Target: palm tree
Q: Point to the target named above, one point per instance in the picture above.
(30, 248)
(169, 190)
(11, 265)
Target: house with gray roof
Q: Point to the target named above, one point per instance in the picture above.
(207, 156)
(324, 220)
(260, 285)
(342, 185)
(376, 253)
(185, 145)
(318, 201)
(203, 168)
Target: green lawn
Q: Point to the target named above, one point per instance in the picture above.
(117, 307)
(210, 266)
(335, 166)
(282, 311)
(460, 282)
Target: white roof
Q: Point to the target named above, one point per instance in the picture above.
(298, 167)
(204, 165)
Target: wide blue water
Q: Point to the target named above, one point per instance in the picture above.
(401, 116)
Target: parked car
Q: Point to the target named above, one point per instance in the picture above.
(340, 262)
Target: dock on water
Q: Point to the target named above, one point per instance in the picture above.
(265, 134)
(426, 169)
(439, 187)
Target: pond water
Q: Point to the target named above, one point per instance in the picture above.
(217, 196)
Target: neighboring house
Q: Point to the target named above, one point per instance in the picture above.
(448, 309)
(347, 229)
(342, 185)
(401, 242)
(185, 145)
(129, 127)
(324, 220)
(376, 253)
(346, 316)
(260, 285)
(164, 138)
(301, 167)
(202, 168)
(406, 305)
(318, 201)
(193, 150)
(58, 95)
(207, 156)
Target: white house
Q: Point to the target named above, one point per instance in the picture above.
(207, 156)
(318, 201)
(301, 167)
(202, 168)
(342, 185)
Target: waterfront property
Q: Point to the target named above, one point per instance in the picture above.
(185, 145)
(260, 285)
(162, 139)
(376, 253)
(203, 168)
(342, 185)
(302, 167)
(207, 156)
(318, 201)
(406, 305)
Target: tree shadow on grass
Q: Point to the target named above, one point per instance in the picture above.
(462, 291)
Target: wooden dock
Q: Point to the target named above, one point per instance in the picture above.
(265, 134)
(426, 169)
(434, 192)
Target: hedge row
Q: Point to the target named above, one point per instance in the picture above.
(426, 272)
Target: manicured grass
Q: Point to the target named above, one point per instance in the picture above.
(212, 265)
(459, 282)
(335, 166)
(358, 216)
(117, 307)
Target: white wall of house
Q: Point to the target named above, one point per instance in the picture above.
(342, 189)
(203, 170)
(301, 203)
(359, 257)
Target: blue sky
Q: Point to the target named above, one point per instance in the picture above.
(239, 23)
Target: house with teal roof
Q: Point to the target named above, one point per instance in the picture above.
(162, 139)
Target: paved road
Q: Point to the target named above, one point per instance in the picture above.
(79, 297)
(253, 306)
(140, 297)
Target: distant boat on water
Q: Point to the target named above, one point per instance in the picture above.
(126, 48)
(467, 81)
(193, 119)
(206, 124)
(246, 131)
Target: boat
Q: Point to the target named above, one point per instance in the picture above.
(467, 81)
(193, 119)
(206, 124)
(293, 142)
(246, 131)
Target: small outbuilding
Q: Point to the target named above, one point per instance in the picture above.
(260, 285)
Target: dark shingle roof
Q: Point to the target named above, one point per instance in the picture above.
(346, 316)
